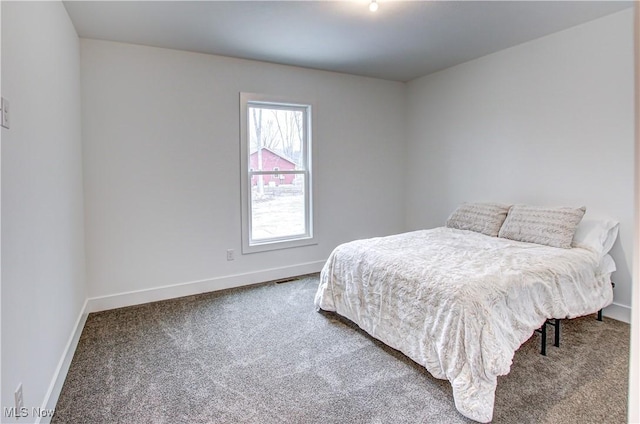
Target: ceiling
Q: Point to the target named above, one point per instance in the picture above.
(403, 40)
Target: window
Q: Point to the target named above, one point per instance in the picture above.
(276, 179)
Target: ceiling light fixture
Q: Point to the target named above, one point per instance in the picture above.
(373, 6)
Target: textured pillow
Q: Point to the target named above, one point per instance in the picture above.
(485, 218)
(549, 226)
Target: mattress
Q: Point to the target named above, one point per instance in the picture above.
(460, 303)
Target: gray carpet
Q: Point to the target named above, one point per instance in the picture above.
(262, 354)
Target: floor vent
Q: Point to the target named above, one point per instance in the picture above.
(286, 280)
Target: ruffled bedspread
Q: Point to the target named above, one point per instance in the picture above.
(459, 303)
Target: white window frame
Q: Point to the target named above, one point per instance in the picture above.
(248, 244)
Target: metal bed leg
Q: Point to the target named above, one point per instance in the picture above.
(543, 346)
(543, 342)
(555, 322)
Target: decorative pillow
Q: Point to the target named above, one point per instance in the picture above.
(549, 226)
(596, 234)
(485, 218)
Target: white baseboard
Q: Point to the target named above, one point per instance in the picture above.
(53, 393)
(102, 303)
(619, 312)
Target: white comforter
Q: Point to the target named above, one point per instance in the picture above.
(459, 303)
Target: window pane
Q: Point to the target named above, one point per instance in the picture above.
(276, 137)
(277, 206)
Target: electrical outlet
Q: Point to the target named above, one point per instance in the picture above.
(4, 112)
(19, 398)
(231, 254)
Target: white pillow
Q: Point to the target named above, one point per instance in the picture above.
(597, 235)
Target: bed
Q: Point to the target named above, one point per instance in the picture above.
(459, 301)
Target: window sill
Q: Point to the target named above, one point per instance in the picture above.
(277, 245)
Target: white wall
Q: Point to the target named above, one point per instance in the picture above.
(634, 364)
(0, 211)
(43, 282)
(548, 122)
(161, 166)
